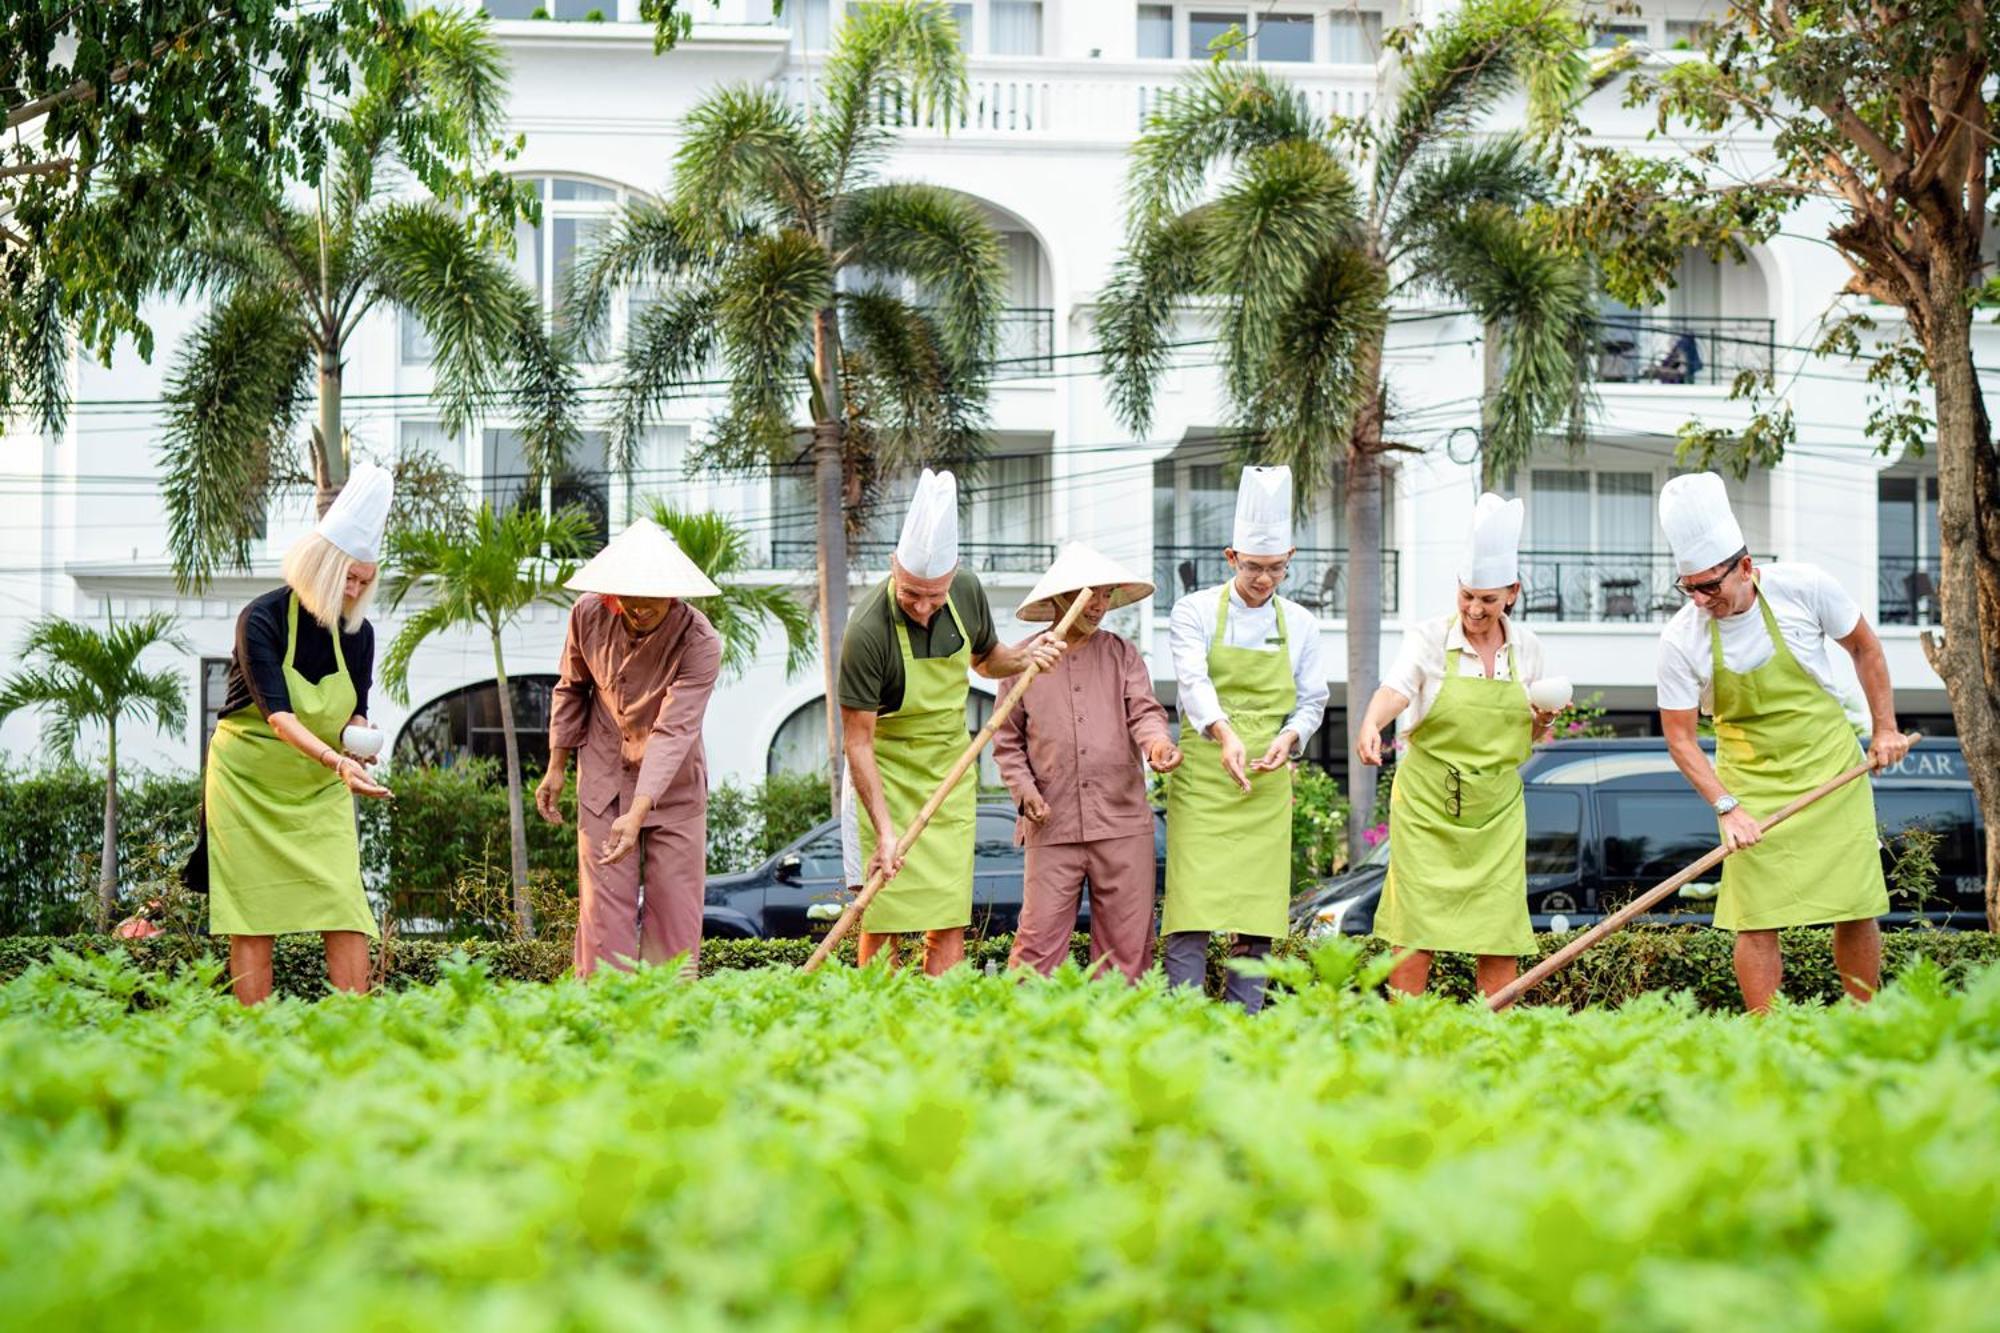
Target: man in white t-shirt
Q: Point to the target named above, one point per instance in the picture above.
(1750, 649)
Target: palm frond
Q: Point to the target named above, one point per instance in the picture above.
(902, 376)
(1474, 56)
(941, 242)
(1299, 401)
(770, 291)
(1136, 315)
(78, 674)
(232, 399)
(1215, 115)
(430, 620)
(894, 60)
(672, 345)
(744, 156)
(720, 549)
(664, 245)
(1463, 173)
(1542, 302)
(35, 345)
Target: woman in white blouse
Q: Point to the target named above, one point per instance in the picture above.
(1458, 829)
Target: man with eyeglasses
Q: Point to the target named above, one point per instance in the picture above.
(1252, 690)
(1750, 649)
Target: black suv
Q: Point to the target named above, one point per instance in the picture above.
(799, 892)
(1609, 819)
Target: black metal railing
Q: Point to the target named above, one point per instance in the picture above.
(1906, 589)
(1682, 349)
(1316, 580)
(1598, 586)
(1026, 343)
(980, 557)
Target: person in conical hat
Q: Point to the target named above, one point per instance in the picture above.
(1253, 687)
(1750, 648)
(638, 666)
(1458, 821)
(903, 688)
(1072, 754)
(278, 852)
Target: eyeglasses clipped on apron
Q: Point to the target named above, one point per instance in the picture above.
(1454, 791)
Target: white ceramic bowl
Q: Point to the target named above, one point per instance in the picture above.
(1551, 694)
(361, 742)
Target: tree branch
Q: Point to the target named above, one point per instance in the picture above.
(83, 90)
(53, 166)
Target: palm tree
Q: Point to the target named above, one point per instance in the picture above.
(484, 577)
(721, 550)
(1300, 232)
(288, 285)
(770, 206)
(77, 675)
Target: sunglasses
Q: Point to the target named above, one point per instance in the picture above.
(1709, 587)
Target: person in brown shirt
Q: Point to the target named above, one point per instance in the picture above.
(1070, 753)
(638, 667)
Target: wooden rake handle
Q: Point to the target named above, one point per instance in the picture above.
(930, 807)
(1569, 953)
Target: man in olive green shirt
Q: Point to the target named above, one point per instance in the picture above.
(903, 687)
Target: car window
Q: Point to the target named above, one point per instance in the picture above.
(1555, 831)
(1945, 811)
(994, 847)
(1653, 834)
(820, 858)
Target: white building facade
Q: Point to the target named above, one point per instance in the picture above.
(1058, 91)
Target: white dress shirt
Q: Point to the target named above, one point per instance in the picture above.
(1192, 630)
(1810, 608)
(1426, 657)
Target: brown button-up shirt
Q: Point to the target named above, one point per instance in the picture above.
(632, 707)
(1077, 740)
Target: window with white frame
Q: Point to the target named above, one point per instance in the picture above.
(575, 213)
(431, 439)
(552, 9)
(985, 27)
(418, 349)
(1907, 548)
(1274, 35)
(1587, 510)
(507, 482)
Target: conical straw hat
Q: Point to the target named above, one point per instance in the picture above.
(1078, 567)
(642, 561)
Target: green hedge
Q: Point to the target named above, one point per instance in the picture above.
(1646, 958)
(439, 851)
(51, 828)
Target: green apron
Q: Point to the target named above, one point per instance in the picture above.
(1458, 822)
(1779, 734)
(282, 850)
(914, 747)
(1229, 852)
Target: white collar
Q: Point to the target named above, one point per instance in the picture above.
(1236, 599)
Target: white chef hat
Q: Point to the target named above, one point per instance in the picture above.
(928, 548)
(1492, 553)
(1701, 529)
(357, 516)
(1263, 512)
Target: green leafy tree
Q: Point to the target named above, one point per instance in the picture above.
(483, 577)
(288, 285)
(78, 676)
(121, 117)
(1885, 116)
(1299, 232)
(721, 550)
(769, 207)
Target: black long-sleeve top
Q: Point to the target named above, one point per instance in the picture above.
(256, 668)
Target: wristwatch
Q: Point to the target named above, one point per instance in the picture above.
(1725, 803)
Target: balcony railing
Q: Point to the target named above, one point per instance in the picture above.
(1678, 349)
(980, 557)
(1026, 345)
(1598, 586)
(1094, 99)
(1317, 579)
(1906, 589)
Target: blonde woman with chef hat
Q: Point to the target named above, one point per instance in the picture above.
(1458, 823)
(278, 852)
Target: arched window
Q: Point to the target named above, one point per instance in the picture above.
(465, 724)
(800, 743)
